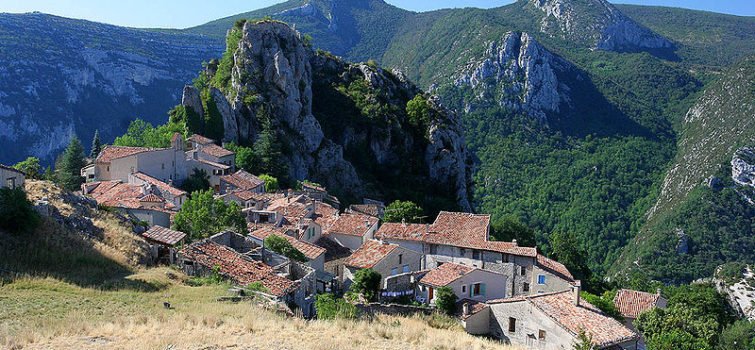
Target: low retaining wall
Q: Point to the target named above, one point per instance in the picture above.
(394, 309)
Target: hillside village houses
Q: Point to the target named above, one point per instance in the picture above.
(507, 291)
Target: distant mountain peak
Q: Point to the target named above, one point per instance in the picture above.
(598, 24)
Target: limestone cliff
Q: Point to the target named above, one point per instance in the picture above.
(343, 125)
(596, 23)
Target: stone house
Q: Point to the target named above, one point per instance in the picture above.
(240, 180)
(352, 230)
(11, 178)
(465, 281)
(315, 255)
(163, 243)
(172, 194)
(165, 164)
(136, 201)
(474, 316)
(463, 238)
(631, 303)
(389, 260)
(553, 321)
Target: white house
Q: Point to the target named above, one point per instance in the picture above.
(465, 281)
(384, 258)
(352, 230)
(11, 178)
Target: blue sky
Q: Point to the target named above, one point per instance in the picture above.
(187, 13)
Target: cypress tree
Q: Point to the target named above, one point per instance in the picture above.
(68, 170)
(96, 145)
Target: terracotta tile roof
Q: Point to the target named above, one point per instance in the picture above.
(243, 180)
(463, 230)
(369, 254)
(292, 208)
(164, 187)
(324, 214)
(164, 235)
(367, 209)
(554, 266)
(200, 139)
(444, 274)
(474, 308)
(311, 251)
(176, 137)
(333, 250)
(152, 198)
(631, 303)
(238, 268)
(120, 195)
(248, 195)
(313, 187)
(605, 331)
(352, 224)
(215, 150)
(109, 153)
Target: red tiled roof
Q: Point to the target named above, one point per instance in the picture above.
(554, 266)
(559, 306)
(119, 195)
(164, 235)
(474, 308)
(444, 274)
(239, 269)
(311, 251)
(631, 303)
(200, 139)
(159, 184)
(215, 150)
(352, 224)
(248, 195)
(110, 153)
(454, 229)
(152, 198)
(243, 180)
(369, 254)
(291, 208)
(324, 214)
(367, 209)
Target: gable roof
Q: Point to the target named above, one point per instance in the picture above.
(110, 153)
(164, 235)
(369, 254)
(631, 303)
(164, 187)
(152, 198)
(238, 268)
(215, 150)
(445, 274)
(311, 251)
(559, 307)
(9, 168)
(243, 180)
(291, 208)
(554, 267)
(200, 139)
(463, 230)
(352, 224)
(367, 209)
(121, 195)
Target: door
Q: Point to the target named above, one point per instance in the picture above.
(429, 294)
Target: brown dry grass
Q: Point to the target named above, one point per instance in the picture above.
(78, 318)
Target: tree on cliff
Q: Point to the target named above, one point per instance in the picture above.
(68, 169)
(96, 145)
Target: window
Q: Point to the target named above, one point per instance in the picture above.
(540, 279)
(401, 258)
(405, 269)
(11, 183)
(476, 254)
(541, 335)
(394, 271)
(433, 249)
(462, 252)
(108, 168)
(512, 325)
(464, 289)
(526, 287)
(478, 289)
(163, 166)
(521, 270)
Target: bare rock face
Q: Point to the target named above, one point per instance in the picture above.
(191, 99)
(743, 167)
(230, 124)
(597, 23)
(518, 73)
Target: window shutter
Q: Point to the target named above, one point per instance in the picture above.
(482, 289)
(471, 289)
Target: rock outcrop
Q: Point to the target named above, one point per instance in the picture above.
(519, 74)
(743, 167)
(596, 23)
(272, 84)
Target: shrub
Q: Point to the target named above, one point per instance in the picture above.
(367, 282)
(445, 300)
(203, 215)
(198, 181)
(329, 308)
(282, 246)
(16, 212)
(399, 211)
(30, 167)
(739, 335)
(271, 182)
(604, 303)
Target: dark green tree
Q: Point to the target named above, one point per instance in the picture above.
(509, 228)
(445, 300)
(17, 214)
(283, 247)
(197, 181)
(96, 145)
(406, 211)
(203, 215)
(271, 183)
(367, 282)
(213, 120)
(68, 170)
(268, 151)
(566, 250)
(418, 112)
(30, 167)
(739, 335)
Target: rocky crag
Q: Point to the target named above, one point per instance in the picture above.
(596, 23)
(344, 125)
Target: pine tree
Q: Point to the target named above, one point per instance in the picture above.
(68, 170)
(96, 145)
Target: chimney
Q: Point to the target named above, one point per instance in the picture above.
(513, 241)
(576, 289)
(367, 223)
(658, 291)
(403, 222)
(465, 309)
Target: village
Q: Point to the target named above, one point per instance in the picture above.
(499, 289)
